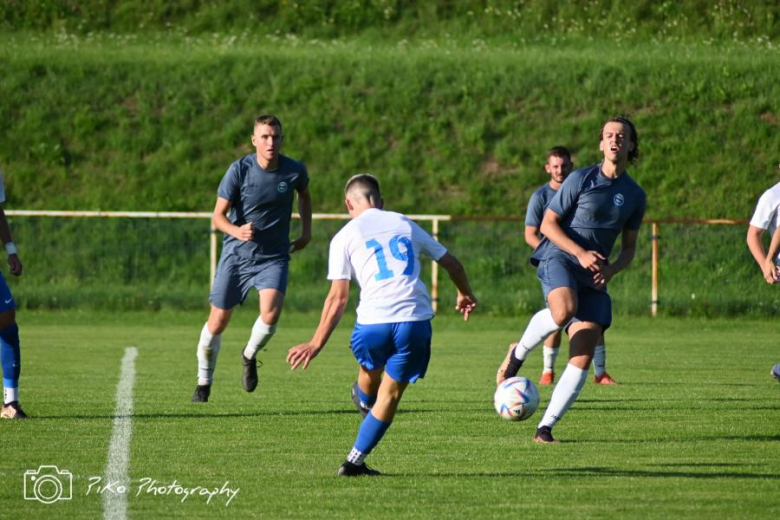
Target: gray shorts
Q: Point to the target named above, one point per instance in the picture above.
(236, 275)
(593, 305)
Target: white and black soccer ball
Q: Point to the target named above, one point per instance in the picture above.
(516, 399)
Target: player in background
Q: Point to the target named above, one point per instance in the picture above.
(766, 216)
(253, 210)
(392, 336)
(592, 208)
(9, 331)
(558, 166)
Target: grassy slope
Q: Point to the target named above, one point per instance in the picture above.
(679, 437)
(120, 123)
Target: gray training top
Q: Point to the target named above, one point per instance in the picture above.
(537, 204)
(595, 210)
(265, 199)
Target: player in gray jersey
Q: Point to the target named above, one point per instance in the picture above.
(558, 166)
(592, 208)
(253, 210)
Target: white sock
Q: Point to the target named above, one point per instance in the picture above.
(356, 457)
(261, 335)
(550, 354)
(541, 325)
(564, 395)
(10, 395)
(599, 360)
(208, 350)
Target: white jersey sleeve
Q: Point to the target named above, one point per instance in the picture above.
(766, 214)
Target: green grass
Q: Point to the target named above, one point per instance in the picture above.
(152, 123)
(691, 431)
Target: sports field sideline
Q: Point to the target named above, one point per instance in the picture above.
(693, 429)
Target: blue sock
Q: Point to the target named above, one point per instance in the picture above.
(366, 399)
(371, 432)
(10, 355)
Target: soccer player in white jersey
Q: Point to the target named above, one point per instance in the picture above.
(767, 217)
(9, 331)
(593, 206)
(558, 166)
(253, 210)
(392, 336)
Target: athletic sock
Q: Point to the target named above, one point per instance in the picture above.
(599, 360)
(12, 362)
(541, 325)
(10, 394)
(365, 399)
(208, 351)
(564, 395)
(261, 335)
(550, 354)
(371, 432)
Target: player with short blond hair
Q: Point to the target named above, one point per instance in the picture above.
(253, 210)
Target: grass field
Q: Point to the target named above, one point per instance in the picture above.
(692, 431)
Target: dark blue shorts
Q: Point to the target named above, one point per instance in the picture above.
(6, 298)
(236, 275)
(403, 349)
(593, 305)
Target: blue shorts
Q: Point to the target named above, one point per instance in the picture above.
(403, 349)
(593, 305)
(6, 298)
(236, 275)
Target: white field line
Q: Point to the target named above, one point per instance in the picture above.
(115, 504)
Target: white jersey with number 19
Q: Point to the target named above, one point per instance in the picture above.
(381, 250)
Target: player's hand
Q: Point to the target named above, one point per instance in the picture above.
(302, 353)
(591, 260)
(770, 270)
(245, 232)
(602, 277)
(300, 243)
(15, 264)
(465, 304)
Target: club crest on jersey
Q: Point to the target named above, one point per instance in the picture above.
(281, 187)
(618, 200)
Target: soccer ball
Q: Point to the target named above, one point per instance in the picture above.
(516, 399)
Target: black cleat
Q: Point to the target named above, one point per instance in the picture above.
(249, 379)
(13, 410)
(544, 435)
(509, 367)
(358, 403)
(353, 470)
(201, 394)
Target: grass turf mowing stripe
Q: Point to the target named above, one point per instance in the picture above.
(115, 504)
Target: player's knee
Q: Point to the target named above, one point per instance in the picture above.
(562, 314)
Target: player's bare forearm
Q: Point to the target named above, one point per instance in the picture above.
(466, 301)
(14, 263)
(220, 221)
(755, 245)
(5, 230)
(551, 228)
(531, 236)
(305, 212)
(332, 311)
